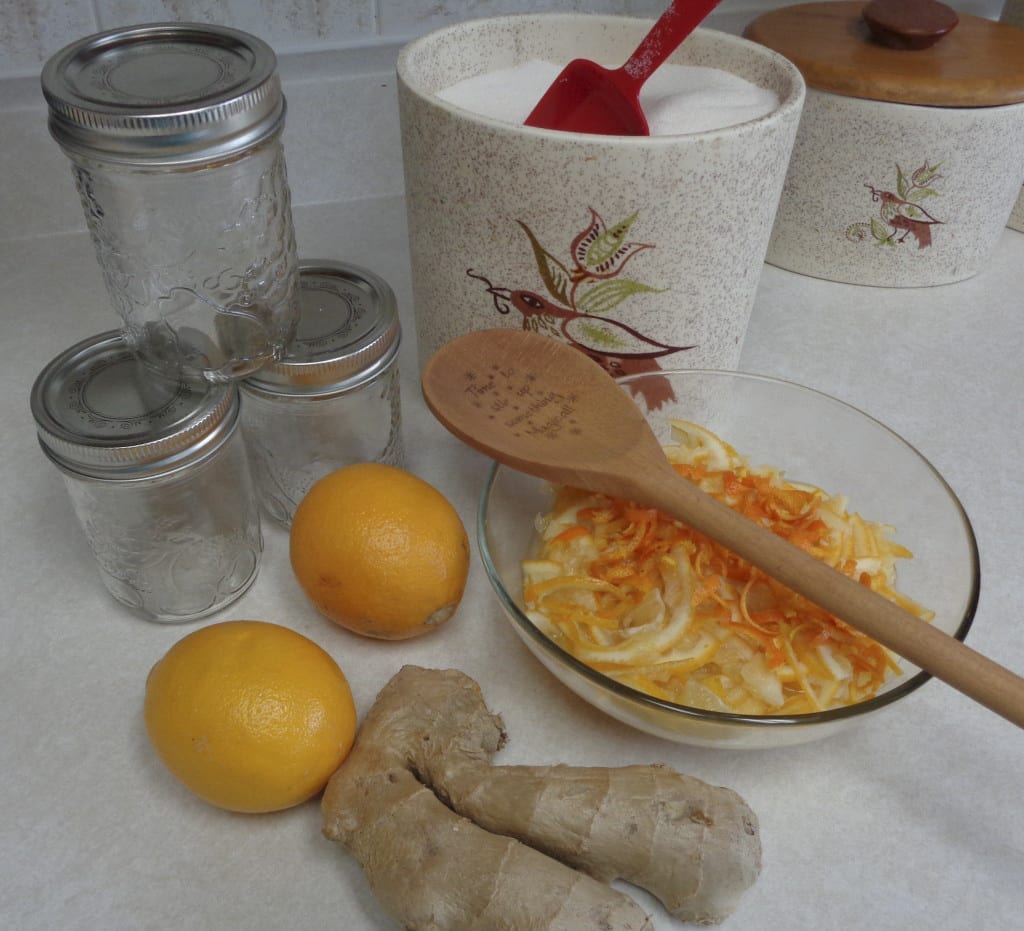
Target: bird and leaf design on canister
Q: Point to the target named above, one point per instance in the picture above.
(900, 212)
(582, 292)
(580, 295)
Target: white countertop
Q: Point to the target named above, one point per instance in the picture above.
(911, 820)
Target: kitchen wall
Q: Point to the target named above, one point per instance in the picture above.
(31, 30)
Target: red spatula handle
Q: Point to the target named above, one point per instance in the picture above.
(674, 25)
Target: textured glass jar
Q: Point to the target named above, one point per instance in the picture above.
(174, 134)
(158, 475)
(334, 398)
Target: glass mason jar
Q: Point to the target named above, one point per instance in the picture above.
(174, 135)
(158, 475)
(334, 398)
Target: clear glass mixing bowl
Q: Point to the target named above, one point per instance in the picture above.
(814, 438)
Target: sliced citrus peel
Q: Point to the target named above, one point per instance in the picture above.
(653, 604)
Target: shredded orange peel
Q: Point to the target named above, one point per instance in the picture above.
(651, 603)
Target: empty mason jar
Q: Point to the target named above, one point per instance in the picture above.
(334, 398)
(173, 131)
(158, 476)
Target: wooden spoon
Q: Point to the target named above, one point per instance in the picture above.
(587, 98)
(544, 408)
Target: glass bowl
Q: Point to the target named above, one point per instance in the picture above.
(813, 438)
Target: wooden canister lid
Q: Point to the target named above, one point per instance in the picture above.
(979, 63)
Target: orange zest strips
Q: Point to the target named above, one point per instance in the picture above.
(648, 601)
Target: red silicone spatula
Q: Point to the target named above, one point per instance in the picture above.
(586, 98)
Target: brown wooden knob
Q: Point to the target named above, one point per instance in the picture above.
(909, 24)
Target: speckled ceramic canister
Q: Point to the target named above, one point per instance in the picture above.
(503, 218)
(892, 194)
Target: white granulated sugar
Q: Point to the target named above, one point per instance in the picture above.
(508, 94)
(689, 99)
(677, 99)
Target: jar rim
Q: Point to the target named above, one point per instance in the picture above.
(101, 413)
(163, 94)
(348, 333)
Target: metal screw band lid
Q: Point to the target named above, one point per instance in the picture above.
(99, 412)
(348, 333)
(163, 94)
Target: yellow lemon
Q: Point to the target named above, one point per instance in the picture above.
(380, 551)
(250, 716)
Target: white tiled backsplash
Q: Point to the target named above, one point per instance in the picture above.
(31, 30)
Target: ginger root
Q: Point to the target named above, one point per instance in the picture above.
(449, 841)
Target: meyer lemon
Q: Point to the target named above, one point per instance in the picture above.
(250, 716)
(380, 551)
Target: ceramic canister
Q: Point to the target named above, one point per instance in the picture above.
(908, 161)
(643, 251)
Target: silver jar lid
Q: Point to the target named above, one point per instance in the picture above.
(163, 94)
(99, 412)
(348, 333)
